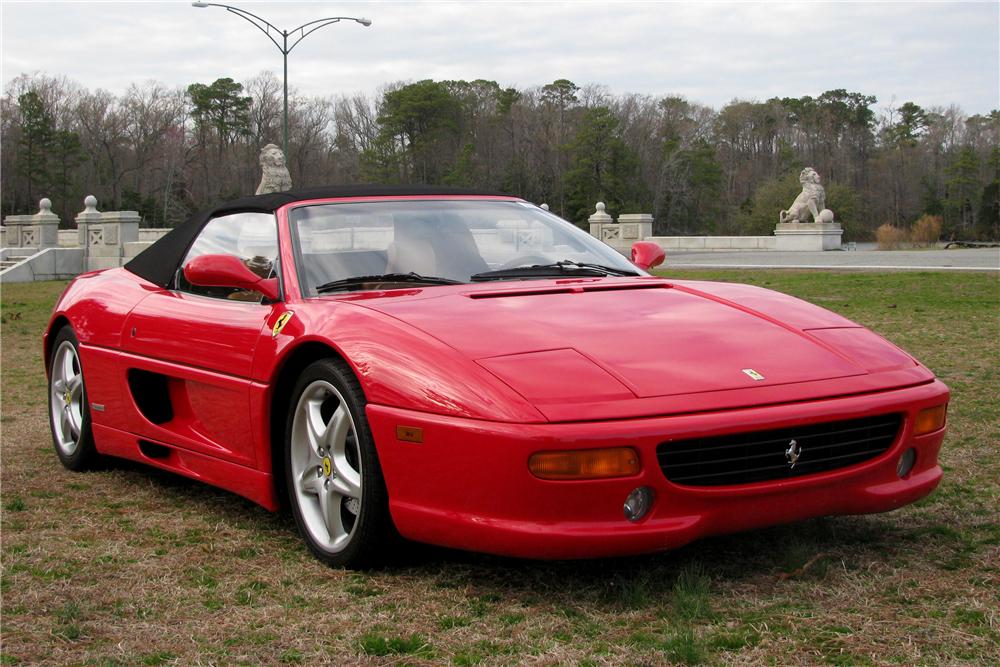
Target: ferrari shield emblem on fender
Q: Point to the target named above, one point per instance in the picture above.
(280, 324)
(753, 374)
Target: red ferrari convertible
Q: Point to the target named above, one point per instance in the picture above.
(472, 371)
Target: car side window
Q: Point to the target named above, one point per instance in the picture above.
(253, 237)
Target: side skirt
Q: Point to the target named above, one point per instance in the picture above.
(252, 484)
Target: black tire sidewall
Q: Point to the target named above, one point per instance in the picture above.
(366, 546)
(85, 456)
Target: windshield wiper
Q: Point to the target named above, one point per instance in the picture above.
(564, 267)
(358, 281)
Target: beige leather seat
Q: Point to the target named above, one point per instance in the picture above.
(434, 247)
(406, 254)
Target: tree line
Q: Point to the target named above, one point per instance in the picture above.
(168, 152)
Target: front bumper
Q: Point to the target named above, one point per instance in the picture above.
(467, 485)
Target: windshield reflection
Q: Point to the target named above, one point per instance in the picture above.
(450, 240)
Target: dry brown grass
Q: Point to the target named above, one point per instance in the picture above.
(134, 566)
(890, 237)
(926, 231)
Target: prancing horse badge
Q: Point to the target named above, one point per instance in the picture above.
(281, 322)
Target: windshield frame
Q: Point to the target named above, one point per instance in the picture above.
(309, 291)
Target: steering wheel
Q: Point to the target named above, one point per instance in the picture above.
(525, 260)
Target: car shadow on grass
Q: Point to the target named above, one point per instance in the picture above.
(809, 549)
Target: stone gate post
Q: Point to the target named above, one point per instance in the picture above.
(40, 230)
(85, 218)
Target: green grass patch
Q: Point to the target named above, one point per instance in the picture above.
(15, 504)
(449, 622)
(691, 593)
(682, 646)
(377, 644)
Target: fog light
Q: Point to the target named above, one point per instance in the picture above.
(638, 503)
(906, 461)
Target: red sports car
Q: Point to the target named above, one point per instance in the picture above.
(470, 370)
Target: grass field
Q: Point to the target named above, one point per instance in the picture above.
(134, 566)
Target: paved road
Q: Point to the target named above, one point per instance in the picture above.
(977, 259)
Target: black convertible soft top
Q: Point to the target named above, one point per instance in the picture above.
(158, 262)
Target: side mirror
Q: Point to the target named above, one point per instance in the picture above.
(646, 254)
(228, 271)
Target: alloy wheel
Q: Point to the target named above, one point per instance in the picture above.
(326, 466)
(66, 398)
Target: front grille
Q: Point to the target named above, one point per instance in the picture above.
(760, 456)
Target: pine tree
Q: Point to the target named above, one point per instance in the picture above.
(37, 130)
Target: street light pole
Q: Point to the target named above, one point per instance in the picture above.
(304, 31)
(284, 113)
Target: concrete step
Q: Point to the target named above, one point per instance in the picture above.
(11, 261)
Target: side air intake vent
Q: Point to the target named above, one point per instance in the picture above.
(151, 395)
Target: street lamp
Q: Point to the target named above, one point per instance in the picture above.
(303, 31)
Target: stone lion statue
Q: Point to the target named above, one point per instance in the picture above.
(275, 177)
(812, 200)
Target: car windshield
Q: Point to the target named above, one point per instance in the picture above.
(369, 245)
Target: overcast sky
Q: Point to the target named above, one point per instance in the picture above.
(930, 53)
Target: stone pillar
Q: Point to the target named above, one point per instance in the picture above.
(107, 238)
(40, 230)
(14, 225)
(47, 224)
(620, 235)
(598, 221)
(120, 227)
(636, 226)
(85, 218)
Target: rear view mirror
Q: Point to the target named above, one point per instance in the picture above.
(228, 271)
(646, 254)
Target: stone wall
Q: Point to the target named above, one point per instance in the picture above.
(38, 231)
(620, 234)
(709, 243)
(34, 248)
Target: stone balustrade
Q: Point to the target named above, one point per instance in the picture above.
(620, 234)
(34, 248)
(37, 231)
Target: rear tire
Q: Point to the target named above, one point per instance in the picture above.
(69, 409)
(332, 474)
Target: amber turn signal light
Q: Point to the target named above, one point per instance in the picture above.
(410, 433)
(585, 463)
(930, 419)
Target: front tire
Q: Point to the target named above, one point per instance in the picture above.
(332, 472)
(69, 411)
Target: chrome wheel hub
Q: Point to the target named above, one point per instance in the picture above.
(326, 466)
(66, 398)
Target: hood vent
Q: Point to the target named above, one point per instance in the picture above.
(575, 288)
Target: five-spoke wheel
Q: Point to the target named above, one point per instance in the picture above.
(69, 414)
(326, 465)
(65, 398)
(334, 482)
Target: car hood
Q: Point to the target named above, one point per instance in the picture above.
(574, 343)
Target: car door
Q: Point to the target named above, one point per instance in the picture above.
(189, 350)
